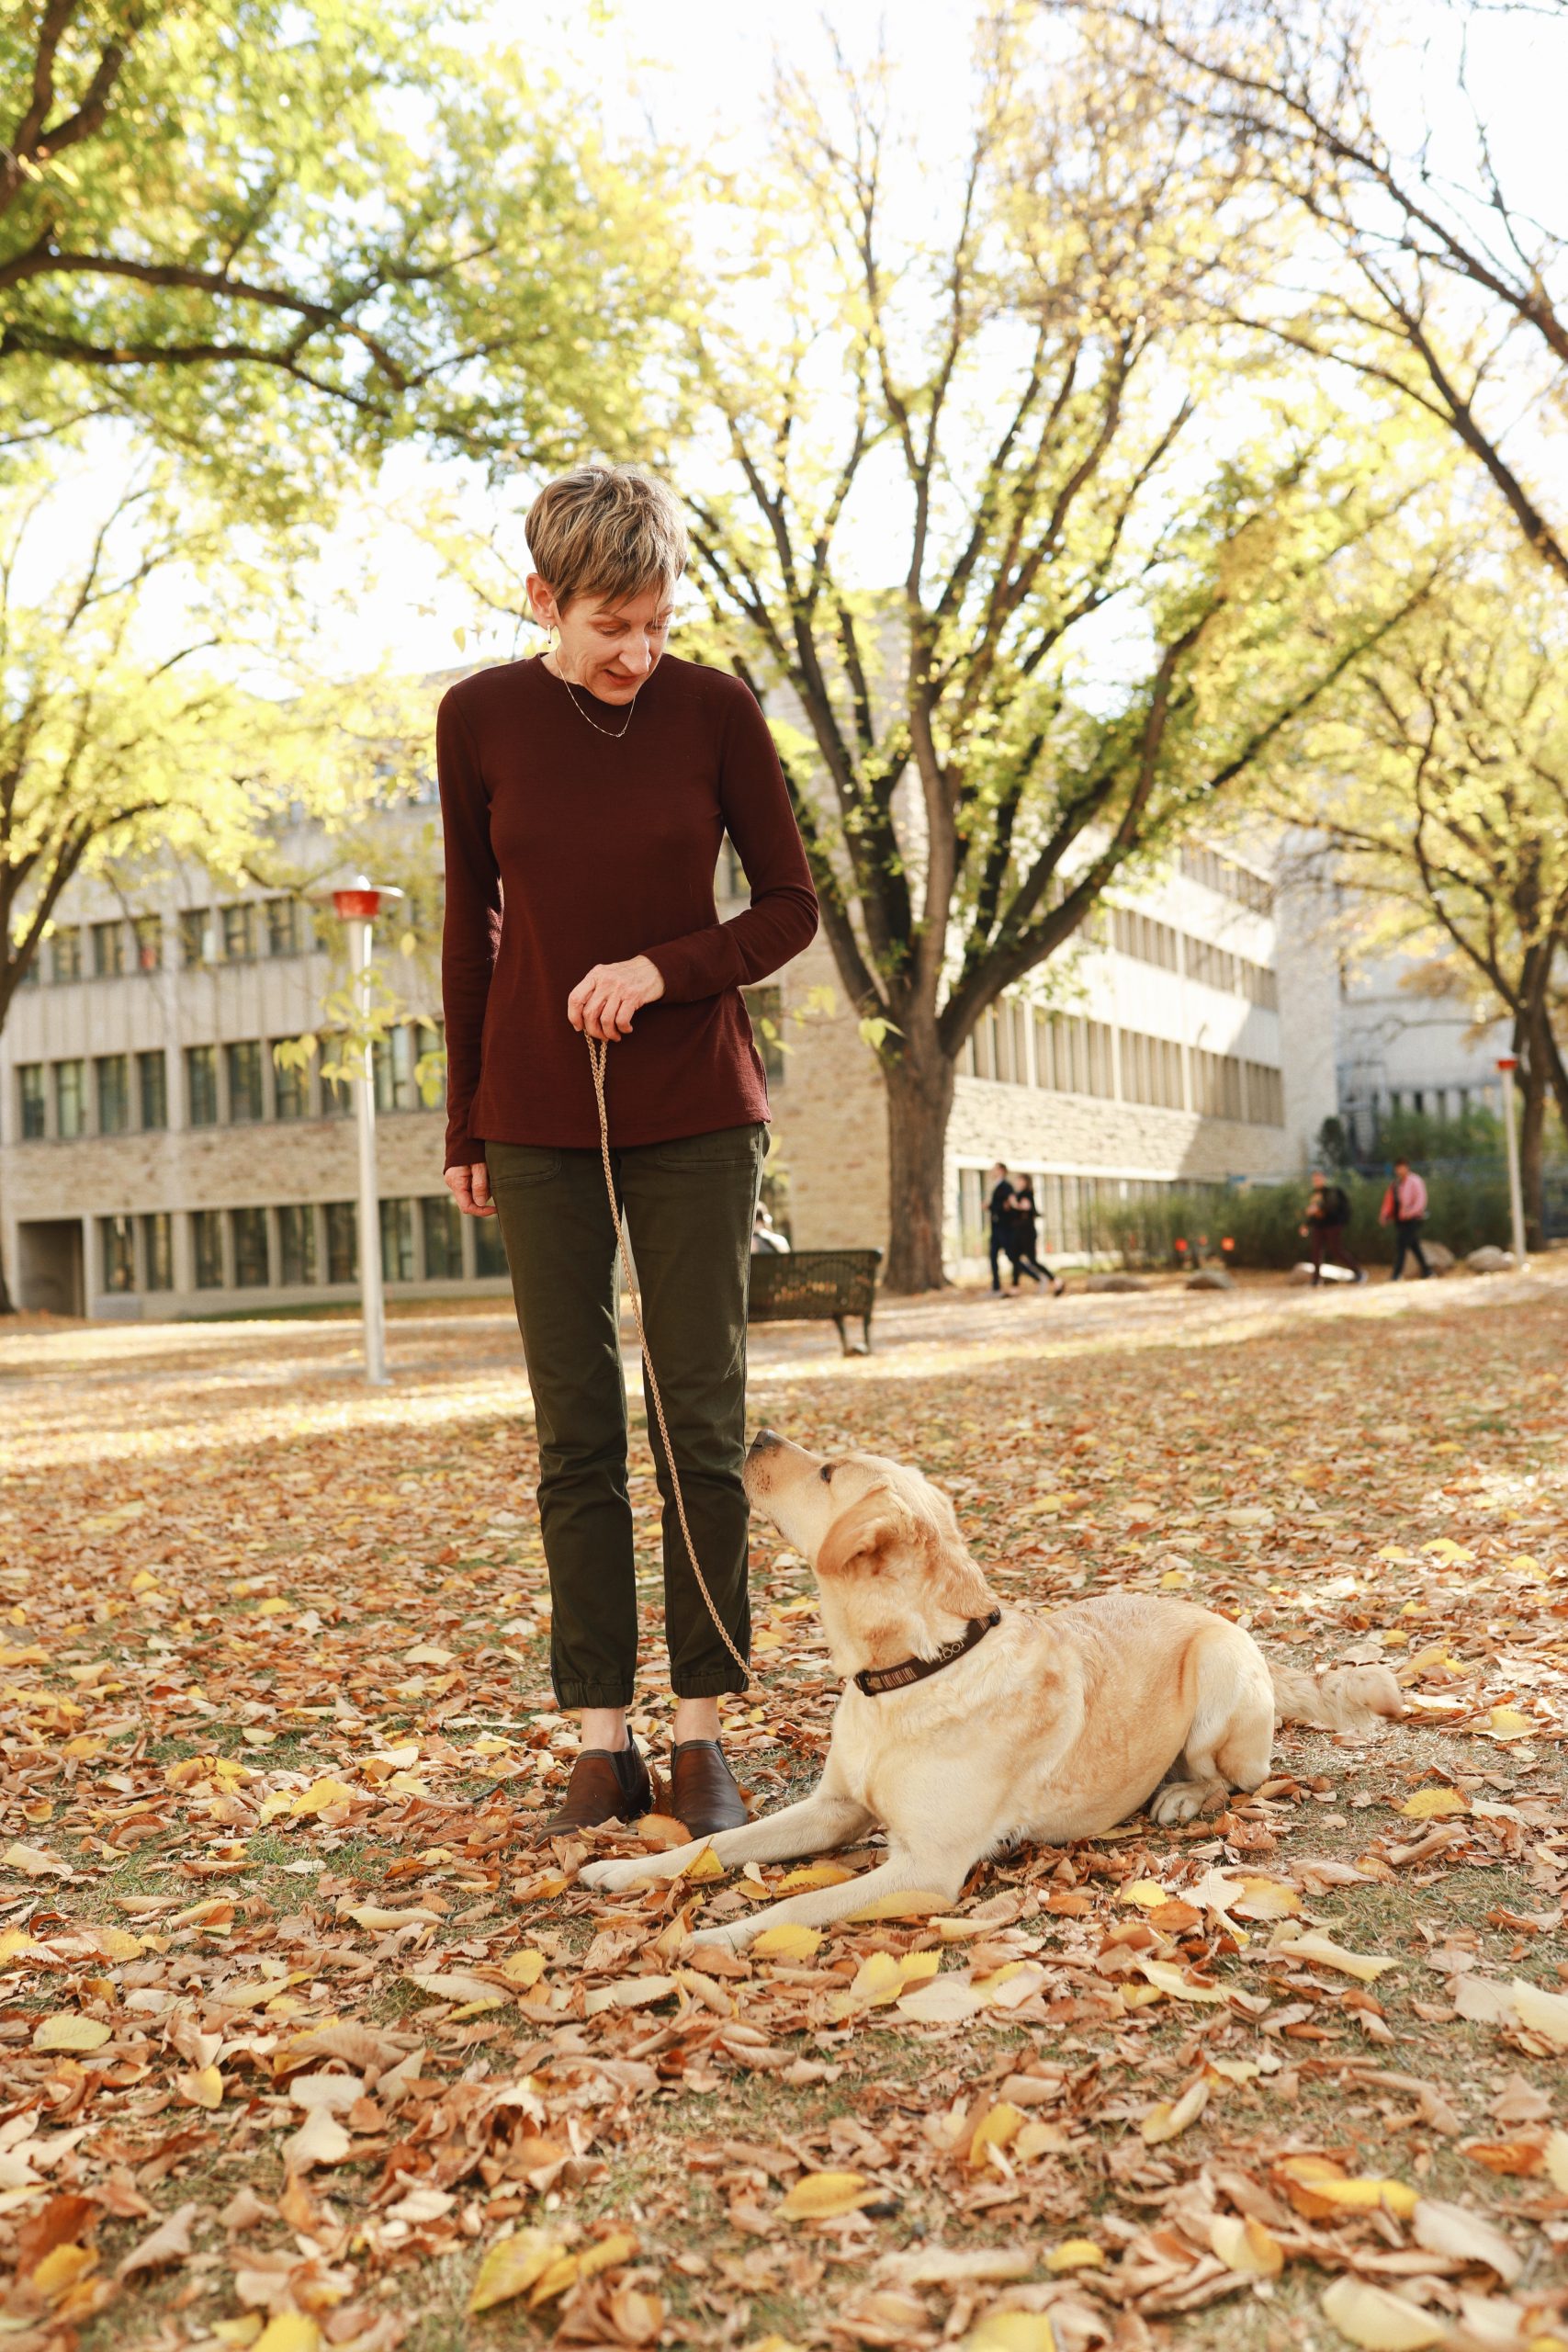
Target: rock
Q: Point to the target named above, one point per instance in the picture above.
(1208, 1278)
(1117, 1282)
(1439, 1257)
(1300, 1275)
(1490, 1260)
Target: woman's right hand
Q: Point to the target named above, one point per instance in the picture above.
(469, 1187)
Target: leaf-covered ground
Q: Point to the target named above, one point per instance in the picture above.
(307, 2042)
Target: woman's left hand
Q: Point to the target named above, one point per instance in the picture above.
(605, 998)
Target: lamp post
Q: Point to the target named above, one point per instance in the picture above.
(357, 904)
(1508, 1064)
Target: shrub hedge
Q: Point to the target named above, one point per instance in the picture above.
(1263, 1221)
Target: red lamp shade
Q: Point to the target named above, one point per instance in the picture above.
(365, 904)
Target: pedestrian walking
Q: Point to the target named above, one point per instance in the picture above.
(1000, 1204)
(1026, 1237)
(1404, 1207)
(1327, 1216)
(585, 794)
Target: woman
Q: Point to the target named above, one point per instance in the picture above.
(585, 795)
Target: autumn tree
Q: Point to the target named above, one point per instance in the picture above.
(986, 391)
(1445, 809)
(1405, 255)
(271, 230)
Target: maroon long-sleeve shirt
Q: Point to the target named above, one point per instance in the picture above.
(567, 848)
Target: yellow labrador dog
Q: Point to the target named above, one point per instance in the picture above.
(966, 1727)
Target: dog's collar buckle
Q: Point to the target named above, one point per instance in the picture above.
(875, 1680)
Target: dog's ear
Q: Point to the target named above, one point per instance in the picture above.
(858, 1538)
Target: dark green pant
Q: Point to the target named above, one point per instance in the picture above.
(689, 1207)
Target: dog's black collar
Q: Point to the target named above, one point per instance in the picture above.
(875, 1680)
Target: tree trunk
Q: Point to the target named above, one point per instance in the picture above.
(919, 1084)
(1533, 1077)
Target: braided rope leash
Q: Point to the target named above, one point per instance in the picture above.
(598, 1052)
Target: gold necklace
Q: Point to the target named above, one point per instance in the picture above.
(614, 733)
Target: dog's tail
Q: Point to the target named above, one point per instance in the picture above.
(1348, 1698)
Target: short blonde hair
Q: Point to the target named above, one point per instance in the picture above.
(609, 531)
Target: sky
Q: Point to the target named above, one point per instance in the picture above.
(701, 73)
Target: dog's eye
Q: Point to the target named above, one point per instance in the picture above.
(827, 1471)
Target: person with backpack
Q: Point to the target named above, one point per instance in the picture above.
(1024, 1252)
(1405, 1207)
(1327, 1216)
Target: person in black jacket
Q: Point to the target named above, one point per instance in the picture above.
(1000, 1207)
(1025, 1220)
(1327, 1216)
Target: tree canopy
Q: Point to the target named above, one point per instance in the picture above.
(272, 229)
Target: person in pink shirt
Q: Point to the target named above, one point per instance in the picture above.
(1404, 1207)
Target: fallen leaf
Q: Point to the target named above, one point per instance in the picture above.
(820, 2195)
(1541, 2012)
(1377, 2321)
(1465, 2236)
(511, 2267)
(1168, 2119)
(170, 2242)
(67, 2030)
(1244, 2245)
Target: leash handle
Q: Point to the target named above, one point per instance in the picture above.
(598, 1054)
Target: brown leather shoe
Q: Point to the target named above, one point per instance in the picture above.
(703, 1795)
(606, 1785)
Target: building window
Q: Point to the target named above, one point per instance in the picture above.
(109, 951)
(239, 934)
(249, 1231)
(765, 1007)
(119, 1252)
(1265, 1095)
(397, 1242)
(207, 1248)
(1217, 1085)
(282, 927)
(201, 1086)
(343, 1242)
(393, 1059)
(152, 1089)
(297, 1243)
(113, 1074)
(290, 1084)
(489, 1250)
(69, 1099)
(1151, 1070)
(29, 1090)
(443, 1223)
(65, 953)
(244, 1063)
(195, 936)
(157, 1252)
(148, 932)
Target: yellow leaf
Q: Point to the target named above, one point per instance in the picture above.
(119, 1943)
(204, 2089)
(1364, 1966)
(788, 1941)
(1508, 1723)
(1012, 2332)
(813, 1874)
(554, 2279)
(704, 1864)
(1246, 2246)
(1377, 2321)
(605, 2253)
(60, 2269)
(997, 2128)
(1148, 1893)
(1265, 1898)
(1318, 2185)
(16, 1940)
(882, 1978)
(1075, 2253)
(1443, 1547)
(942, 2000)
(66, 2031)
(1432, 1804)
(319, 1795)
(375, 1920)
(1171, 2118)
(511, 2267)
(525, 1967)
(289, 2332)
(1166, 1977)
(819, 2196)
(274, 1606)
(1541, 2012)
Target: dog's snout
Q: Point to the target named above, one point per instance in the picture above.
(765, 1442)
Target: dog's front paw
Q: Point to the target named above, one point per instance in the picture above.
(1184, 1801)
(613, 1878)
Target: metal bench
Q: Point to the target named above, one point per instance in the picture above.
(816, 1285)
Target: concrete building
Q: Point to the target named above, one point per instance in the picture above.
(157, 1158)
(1403, 1048)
